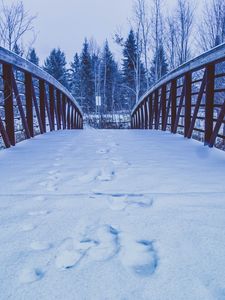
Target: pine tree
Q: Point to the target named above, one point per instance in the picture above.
(55, 65)
(159, 65)
(108, 75)
(134, 80)
(75, 84)
(17, 50)
(32, 56)
(87, 81)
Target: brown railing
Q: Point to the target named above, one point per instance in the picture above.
(32, 101)
(189, 100)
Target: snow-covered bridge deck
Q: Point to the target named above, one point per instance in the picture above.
(112, 215)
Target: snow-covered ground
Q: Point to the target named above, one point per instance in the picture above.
(112, 215)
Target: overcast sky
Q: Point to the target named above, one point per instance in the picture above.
(65, 23)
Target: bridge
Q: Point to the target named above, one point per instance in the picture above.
(113, 214)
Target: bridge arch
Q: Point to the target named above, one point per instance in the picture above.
(189, 100)
(32, 101)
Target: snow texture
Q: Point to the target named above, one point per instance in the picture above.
(104, 214)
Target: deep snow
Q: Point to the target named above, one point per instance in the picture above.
(108, 214)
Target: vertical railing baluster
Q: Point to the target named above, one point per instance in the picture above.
(188, 91)
(173, 103)
(8, 103)
(209, 102)
(29, 103)
(42, 103)
(146, 112)
(156, 108)
(52, 105)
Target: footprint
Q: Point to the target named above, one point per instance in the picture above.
(89, 177)
(139, 201)
(68, 256)
(138, 256)
(39, 213)
(106, 174)
(107, 246)
(36, 245)
(117, 202)
(28, 227)
(67, 259)
(51, 187)
(29, 275)
(103, 151)
(121, 202)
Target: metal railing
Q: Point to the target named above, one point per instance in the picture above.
(32, 101)
(189, 100)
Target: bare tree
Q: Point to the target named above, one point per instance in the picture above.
(184, 29)
(157, 35)
(179, 27)
(143, 22)
(171, 41)
(212, 27)
(14, 23)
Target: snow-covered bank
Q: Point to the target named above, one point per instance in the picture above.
(112, 215)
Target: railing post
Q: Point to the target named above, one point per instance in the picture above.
(142, 116)
(59, 108)
(156, 108)
(187, 118)
(173, 103)
(68, 115)
(8, 102)
(71, 117)
(150, 111)
(29, 103)
(209, 102)
(42, 103)
(63, 101)
(163, 104)
(146, 113)
(52, 105)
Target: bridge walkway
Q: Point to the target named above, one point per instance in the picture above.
(108, 214)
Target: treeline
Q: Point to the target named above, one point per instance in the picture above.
(160, 39)
(95, 72)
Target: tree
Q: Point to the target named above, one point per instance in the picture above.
(133, 70)
(184, 21)
(87, 82)
(143, 22)
(159, 64)
(212, 28)
(16, 49)
(179, 27)
(108, 75)
(157, 35)
(32, 56)
(55, 65)
(75, 83)
(15, 22)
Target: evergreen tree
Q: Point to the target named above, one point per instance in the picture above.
(55, 65)
(32, 56)
(159, 65)
(75, 84)
(86, 77)
(17, 50)
(108, 75)
(134, 79)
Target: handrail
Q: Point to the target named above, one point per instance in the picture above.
(185, 97)
(46, 106)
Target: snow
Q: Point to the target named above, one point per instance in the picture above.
(112, 214)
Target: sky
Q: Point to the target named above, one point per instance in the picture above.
(66, 23)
